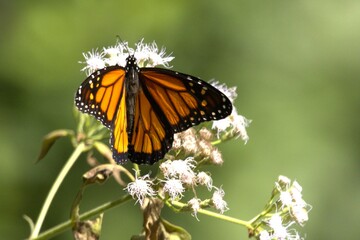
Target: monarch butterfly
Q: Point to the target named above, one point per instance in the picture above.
(145, 107)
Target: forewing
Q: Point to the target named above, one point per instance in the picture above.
(100, 94)
(103, 95)
(182, 99)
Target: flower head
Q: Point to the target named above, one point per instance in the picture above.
(140, 188)
(189, 141)
(216, 157)
(295, 192)
(290, 196)
(116, 55)
(94, 60)
(264, 235)
(281, 231)
(174, 188)
(180, 169)
(194, 203)
(147, 55)
(285, 198)
(236, 122)
(300, 214)
(218, 200)
(177, 141)
(205, 147)
(283, 181)
(204, 179)
(158, 57)
(205, 134)
(289, 209)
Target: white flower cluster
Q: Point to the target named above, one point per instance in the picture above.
(147, 55)
(218, 201)
(291, 197)
(291, 209)
(182, 171)
(179, 175)
(279, 230)
(235, 122)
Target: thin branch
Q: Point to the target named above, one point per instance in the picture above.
(87, 215)
(78, 150)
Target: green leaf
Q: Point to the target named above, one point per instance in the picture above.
(175, 232)
(50, 139)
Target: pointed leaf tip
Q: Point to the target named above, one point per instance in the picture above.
(50, 139)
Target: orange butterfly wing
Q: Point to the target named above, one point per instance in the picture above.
(169, 102)
(119, 137)
(103, 95)
(151, 137)
(100, 93)
(184, 100)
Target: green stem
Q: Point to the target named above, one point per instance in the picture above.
(87, 215)
(217, 215)
(227, 136)
(264, 213)
(137, 169)
(78, 150)
(226, 218)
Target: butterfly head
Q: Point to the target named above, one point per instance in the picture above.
(131, 62)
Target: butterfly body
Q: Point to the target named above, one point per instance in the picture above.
(145, 107)
(132, 86)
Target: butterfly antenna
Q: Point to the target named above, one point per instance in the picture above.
(118, 39)
(123, 43)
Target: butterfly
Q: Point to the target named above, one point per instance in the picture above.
(145, 107)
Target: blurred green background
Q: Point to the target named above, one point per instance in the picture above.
(297, 68)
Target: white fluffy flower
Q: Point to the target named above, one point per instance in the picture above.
(189, 141)
(194, 203)
(218, 200)
(116, 55)
(140, 188)
(174, 188)
(158, 57)
(94, 60)
(283, 181)
(290, 197)
(147, 55)
(300, 214)
(264, 235)
(281, 231)
(236, 122)
(204, 179)
(180, 169)
(216, 157)
(285, 199)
